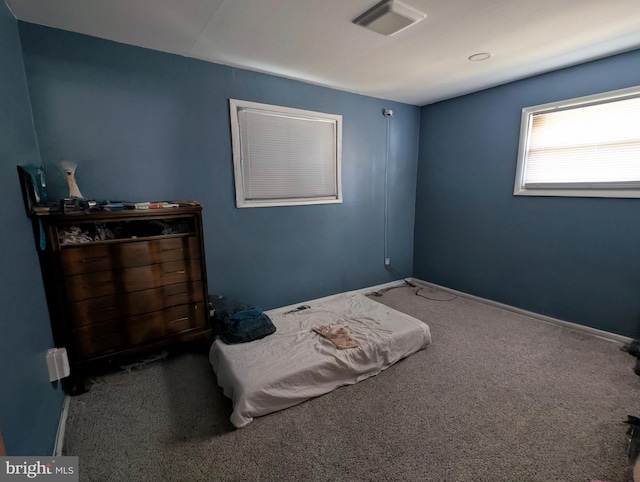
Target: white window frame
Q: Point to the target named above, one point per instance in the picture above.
(242, 201)
(615, 190)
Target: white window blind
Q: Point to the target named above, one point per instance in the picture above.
(285, 156)
(584, 147)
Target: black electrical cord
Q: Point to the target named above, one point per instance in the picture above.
(399, 277)
(384, 290)
(417, 293)
(433, 291)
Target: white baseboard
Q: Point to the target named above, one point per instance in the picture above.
(62, 426)
(547, 319)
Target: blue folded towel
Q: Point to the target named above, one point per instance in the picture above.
(237, 322)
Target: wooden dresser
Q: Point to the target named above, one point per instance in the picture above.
(123, 283)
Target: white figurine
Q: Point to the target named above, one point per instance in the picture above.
(69, 169)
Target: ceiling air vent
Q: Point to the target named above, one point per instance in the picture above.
(390, 17)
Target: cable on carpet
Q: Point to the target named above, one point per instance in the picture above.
(433, 291)
(399, 278)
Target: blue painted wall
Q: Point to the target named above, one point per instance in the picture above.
(29, 405)
(144, 125)
(577, 259)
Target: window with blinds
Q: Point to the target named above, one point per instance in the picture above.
(284, 156)
(586, 147)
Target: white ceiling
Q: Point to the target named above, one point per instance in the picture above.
(315, 40)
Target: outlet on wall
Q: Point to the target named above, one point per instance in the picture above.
(387, 261)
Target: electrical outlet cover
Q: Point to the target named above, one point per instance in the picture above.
(51, 365)
(62, 363)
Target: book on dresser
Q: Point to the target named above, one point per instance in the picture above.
(121, 284)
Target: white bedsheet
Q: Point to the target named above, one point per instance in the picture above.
(295, 364)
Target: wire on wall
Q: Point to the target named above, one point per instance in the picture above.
(388, 113)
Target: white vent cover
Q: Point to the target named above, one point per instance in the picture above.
(390, 17)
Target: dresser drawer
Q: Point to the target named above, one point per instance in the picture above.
(116, 335)
(103, 308)
(89, 258)
(109, 282)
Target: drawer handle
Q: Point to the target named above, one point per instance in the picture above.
(172, 249)
(181, 271)
(179, 319)
(179, 294)
(108, 308)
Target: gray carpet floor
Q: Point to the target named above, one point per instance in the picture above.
(497, 396)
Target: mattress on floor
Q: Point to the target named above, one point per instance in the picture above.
(295, 364)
